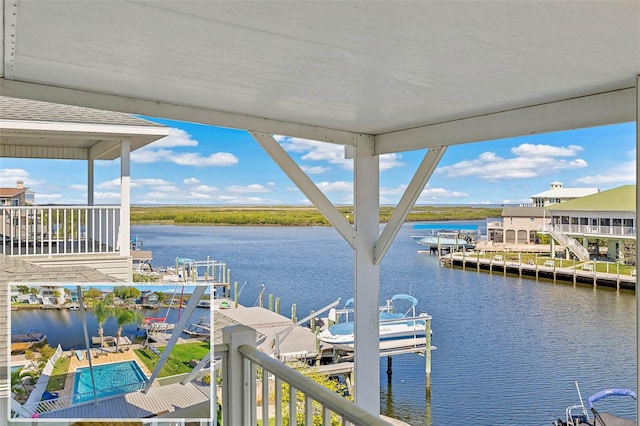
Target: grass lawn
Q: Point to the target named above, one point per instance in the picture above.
(178, 362)
(59, 374)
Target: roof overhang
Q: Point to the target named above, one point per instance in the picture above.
(71, 141)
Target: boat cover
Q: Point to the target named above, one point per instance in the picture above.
(609, 392)
(401, 296)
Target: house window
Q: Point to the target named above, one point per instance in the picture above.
(532, 219)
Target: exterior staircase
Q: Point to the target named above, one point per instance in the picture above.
(571, 243)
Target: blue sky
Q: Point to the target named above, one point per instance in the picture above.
(204, 165)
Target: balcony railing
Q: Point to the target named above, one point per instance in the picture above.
(622, 231)
(59, 230)
(241, 364)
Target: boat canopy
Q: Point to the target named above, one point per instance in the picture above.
(348, 303)
(401, 296)
(445, 227)
(609, 392)
(183, 260)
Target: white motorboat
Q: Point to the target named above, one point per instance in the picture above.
(397, 329)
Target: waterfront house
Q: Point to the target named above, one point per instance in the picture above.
(91, 235)
(557, 193)
(418, 76)
(517, 225)
(148, 297)
(51, 295)
(607, 217)
(18, 196)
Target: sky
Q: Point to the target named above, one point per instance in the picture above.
(204, 165)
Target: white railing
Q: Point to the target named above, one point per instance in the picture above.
(241, 365)
(59, 230)
(571, 243)
(622, 231)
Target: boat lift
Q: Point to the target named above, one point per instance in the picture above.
(281, 335)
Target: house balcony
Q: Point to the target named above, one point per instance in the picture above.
(67, 235)
(602, 231)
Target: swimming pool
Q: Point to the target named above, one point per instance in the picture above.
(111, 379)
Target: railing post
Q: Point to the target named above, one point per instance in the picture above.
(236, 386)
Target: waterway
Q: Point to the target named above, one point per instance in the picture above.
(508, 348)
(64, 327)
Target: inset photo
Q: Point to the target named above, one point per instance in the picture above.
(97, 351)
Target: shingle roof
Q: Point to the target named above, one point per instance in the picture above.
(11, 192)
(13, 269)
(621, 199)
(566, 193)
(522, 212)
(29, 110)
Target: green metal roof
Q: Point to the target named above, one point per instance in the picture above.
(622, 198)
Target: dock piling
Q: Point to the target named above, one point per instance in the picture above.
(427, 357)
(277, 305)
(271, 302)
(293, 313)
(235, 293)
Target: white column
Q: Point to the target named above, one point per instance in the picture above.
(637, 253)
(125, 199)
(366, 277)
(90, 182)
(237, 390)
(91, 231)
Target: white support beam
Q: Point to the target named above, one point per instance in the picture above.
(90, 182)
(170, 111)
(306, 185)
(637, 111)
(102, 149)
(408, 200)
(366, 277)
(587, 111)
(185, 317)
(125, 199)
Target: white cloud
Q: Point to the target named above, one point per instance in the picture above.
(531, 150)
(539, 160)
(78, 187)
(10, 177)
(440, 195)
(623, 173)
(390, 161)
(135, 183)
(315, 170)
(176, 137)
(229, 199)
(50, 198)
(340, 186)
(107, 196)
(218, 159)
(191, 181)
(253, 188)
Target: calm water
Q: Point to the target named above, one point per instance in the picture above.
(508, 351)
(64, 327)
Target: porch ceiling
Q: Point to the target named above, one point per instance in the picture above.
(453, 72)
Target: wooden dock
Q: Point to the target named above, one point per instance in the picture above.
(567, 271)
(295, 342)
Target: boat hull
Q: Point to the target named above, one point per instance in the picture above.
(434, 241)
(409, 334)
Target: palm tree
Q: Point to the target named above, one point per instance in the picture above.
(124, 317)
(102, 311)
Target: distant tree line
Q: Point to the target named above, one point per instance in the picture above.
(292, 216)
